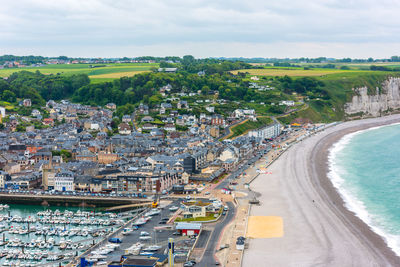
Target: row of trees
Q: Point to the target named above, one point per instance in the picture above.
(39, 87)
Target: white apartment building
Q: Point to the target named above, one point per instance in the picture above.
(64, 181)
(270, 131)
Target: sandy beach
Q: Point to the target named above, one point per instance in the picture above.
(318, 230)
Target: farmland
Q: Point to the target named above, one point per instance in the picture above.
(97, 74)
(293, 72)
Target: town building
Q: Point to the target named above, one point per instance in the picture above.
(64, 181)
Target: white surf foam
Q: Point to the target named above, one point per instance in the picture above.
(336, 174)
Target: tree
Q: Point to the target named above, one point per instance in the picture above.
(205, 90)
(8, 96)
(155, 99)
(20, 128)
(4, 86)
(188, 59)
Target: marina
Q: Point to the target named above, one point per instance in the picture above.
(33, 235)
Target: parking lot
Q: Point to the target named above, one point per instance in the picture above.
(158, 237)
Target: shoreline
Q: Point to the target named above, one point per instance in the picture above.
(321, 157)
(301, 193)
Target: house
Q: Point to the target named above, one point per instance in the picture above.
(27, 102)
(147, 119)
(230, 152)
(48, 121)
(288, 103)
(180, 120)
(164, 107)
(3, 178)
(107, 158)
(42, 155)
(254, 78)
(191, 120)
(239, 113)
(87, 183)
(195, 209)
(228, 164)
(64, 181)
(12, 167)
(210, 109)
(217, 120)
(126, 118)
(165, 89)
(2, 112)
(111, 106)
(86, 155)
(169, 127)
(35, 113)
(188, 229)
(148, 126)
(214, 132)
(143, 109)
(124, 128)
(173, 113)
(182, 104)
(162, 110)
(170, 70)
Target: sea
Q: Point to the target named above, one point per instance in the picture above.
(365, 169)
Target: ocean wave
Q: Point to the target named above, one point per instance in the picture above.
(337, 172)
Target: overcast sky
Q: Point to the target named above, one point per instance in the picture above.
(203, 28)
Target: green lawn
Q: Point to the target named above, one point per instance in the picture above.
(198, 219)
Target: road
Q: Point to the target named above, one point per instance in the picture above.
(208, 257)
(242, 167)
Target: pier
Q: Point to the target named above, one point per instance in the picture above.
(78, 201)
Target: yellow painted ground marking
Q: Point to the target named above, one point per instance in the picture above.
(265, 227)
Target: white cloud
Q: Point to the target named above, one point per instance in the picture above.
(356, 28)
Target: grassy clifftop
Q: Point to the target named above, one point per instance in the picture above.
(339, 91)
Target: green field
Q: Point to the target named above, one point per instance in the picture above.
(99, 74)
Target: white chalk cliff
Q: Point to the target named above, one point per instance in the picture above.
(375, 105)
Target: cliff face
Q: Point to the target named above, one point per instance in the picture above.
(376, 104)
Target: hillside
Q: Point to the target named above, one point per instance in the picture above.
(340, 88)
(315, 94)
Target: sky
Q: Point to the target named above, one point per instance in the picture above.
(202, 28)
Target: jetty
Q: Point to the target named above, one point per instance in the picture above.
(64, 200)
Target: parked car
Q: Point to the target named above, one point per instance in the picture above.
(114, 240)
